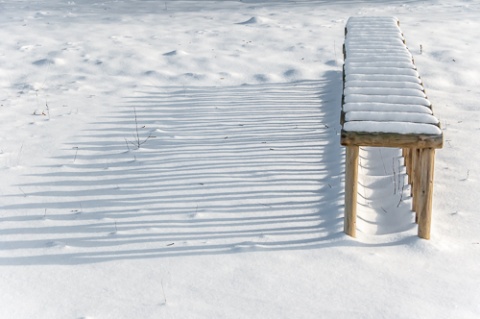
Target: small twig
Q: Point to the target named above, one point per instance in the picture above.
(76, 152)
(137, 142)
(19, 154)
(24, 194)
(163, 292)
(126, 143)
(383, 162)
(468, 175)
(136, 126)
(335, 52)
(48, 109)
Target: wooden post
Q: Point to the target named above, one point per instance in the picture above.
(405, 158)
(351, 181)
(416, 178)
(425, 191)
(407, 154)
(408, 164)
(413, 153)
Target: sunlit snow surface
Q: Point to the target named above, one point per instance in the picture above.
(181, 159)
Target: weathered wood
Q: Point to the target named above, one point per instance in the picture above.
(416, 181)
(411, 169)
(408, 164)
(406, 161)
(351, 181)
(425, 192)
(379, 139)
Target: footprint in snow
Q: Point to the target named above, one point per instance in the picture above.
(261, 77)
(175, 52)
(56, 244)
(42, 62)
(194, 76)
(26, 48)
(291, 73)
(152, 73)
(47, 61)
(252, 20)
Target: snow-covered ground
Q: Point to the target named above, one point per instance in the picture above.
(181, 159)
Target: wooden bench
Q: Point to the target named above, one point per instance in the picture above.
(384, 105)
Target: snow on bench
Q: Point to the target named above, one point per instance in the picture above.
(384, 104)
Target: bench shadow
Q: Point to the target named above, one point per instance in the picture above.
(183, 171)
(384, 193)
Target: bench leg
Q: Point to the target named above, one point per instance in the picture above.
(416, 178)
(424, 193)
(408, 160)
(407, 155)
(351, 181)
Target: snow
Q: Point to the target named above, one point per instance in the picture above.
(182, 159)
(380, 64)
(387, 99)
(361, 123)
(386, 107)
(383, 89)
(380, 70)
(391, 116)
(390, 84)
(374, 119)
(383, 78)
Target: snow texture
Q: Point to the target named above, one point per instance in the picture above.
(167, 159)
(384, 124)
(385, 107)
(391, 117)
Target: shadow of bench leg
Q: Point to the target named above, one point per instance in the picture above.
(426, 159)
(351, 180)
